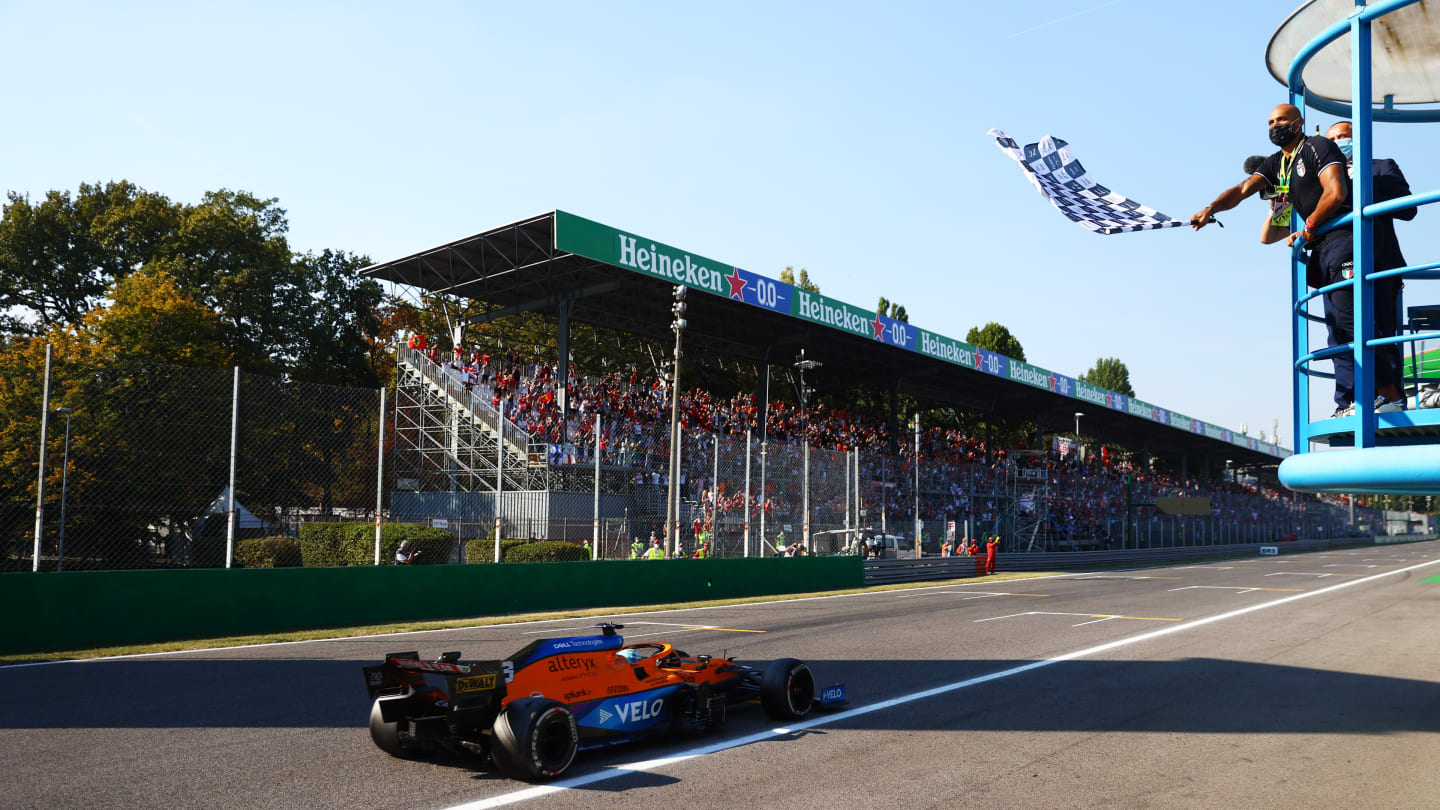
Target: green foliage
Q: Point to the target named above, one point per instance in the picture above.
(247, 296)
(1111, 373)
(547, 551)
(996, 338)
(58, 255)
(483, 550)
(333, 544)
(803, 282)
(147, 317)
(891, 309)
(268, 552)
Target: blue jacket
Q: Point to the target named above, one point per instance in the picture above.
(1389, 183)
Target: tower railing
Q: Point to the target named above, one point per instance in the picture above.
(1402, 434)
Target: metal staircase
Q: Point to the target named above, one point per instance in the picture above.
(449, 439)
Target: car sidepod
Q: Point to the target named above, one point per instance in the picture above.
(627, 715)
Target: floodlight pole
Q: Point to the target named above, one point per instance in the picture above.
(44, 437)
(380, 477)
(916, 463)
(884, 492)
(672, 503)
(760, 549)
(715, 495)
(595, 532)
(803, 365)
(746, 551)
(499, 471)
(234, 450)
(852, 461)
(64, 485)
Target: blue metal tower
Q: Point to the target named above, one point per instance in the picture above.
(1387, 453)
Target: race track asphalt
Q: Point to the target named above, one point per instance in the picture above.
(1331, 699)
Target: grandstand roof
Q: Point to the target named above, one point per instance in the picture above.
(623, 281)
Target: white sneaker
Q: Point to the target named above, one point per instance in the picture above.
(1383, 405)
(1429, 398)
(1340, 413)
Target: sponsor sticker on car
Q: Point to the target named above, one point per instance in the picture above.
(475, 683)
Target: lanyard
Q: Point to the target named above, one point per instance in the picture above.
(1285, 169)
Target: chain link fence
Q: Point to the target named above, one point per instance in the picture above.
(141, 462)
(1040, 503)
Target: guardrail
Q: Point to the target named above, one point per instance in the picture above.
(878, 572)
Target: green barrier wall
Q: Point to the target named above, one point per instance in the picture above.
(49, 611)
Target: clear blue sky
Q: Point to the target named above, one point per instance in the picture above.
(847, 139)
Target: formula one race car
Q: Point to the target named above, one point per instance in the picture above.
(532, 712)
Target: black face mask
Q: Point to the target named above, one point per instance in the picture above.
(1282, 134)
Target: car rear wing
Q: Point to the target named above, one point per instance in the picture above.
(461, 681)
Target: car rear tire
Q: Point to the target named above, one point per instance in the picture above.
(787, 689)
(535, 739)
(387, 735)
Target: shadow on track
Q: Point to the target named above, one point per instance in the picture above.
(1193, 695)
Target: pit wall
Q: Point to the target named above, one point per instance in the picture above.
(51, 611)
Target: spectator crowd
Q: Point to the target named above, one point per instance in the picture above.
(960, 478)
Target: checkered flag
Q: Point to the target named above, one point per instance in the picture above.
(1059, 177)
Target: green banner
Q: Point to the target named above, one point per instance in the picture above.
(944, 348)
(1092, 393)
(629, 251)
(1030, 375)
(605, 244)
(1140, 408)
(817, 308)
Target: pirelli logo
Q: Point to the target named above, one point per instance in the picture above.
(475, 683)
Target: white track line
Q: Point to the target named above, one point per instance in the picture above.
(537, 791)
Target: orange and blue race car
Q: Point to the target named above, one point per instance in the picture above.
(534, 711)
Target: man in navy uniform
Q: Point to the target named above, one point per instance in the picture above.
(1310, 173)
(1388, 183)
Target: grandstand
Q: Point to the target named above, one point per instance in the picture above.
(576, 270)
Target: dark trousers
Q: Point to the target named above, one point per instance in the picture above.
(1336, 265)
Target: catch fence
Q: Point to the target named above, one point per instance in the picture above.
(141, 463)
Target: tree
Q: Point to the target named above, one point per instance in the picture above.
(308, 317)
(230, 252)
(149, 319)
(1111, 373)
(148, 440)
(996, 338)
(890, 309)
(58, 256)
(338, 322)
(804, 283)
